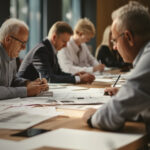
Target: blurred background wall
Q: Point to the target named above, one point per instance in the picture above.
(41, 14)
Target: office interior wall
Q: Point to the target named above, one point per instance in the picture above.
(54, 12)
(98, 11)
(103, 14)
(4, 11)
(88, 9)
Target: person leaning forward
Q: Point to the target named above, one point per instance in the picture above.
(13, 38)
(131, 37)
(43, 58)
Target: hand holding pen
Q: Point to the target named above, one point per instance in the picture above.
(43, 80)
(112, 90)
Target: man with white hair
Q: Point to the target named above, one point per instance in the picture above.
(13, 38)
(131, 37)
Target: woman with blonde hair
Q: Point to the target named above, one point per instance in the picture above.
(106, 54)
(76, 57)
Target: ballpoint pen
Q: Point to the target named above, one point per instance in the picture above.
(40, 76)
(116, 81)
(106, 93)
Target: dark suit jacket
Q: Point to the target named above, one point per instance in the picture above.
(42, 59)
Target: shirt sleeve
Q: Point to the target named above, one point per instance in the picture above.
(132, 99)
(12, 92)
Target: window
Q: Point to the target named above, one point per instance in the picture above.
(30, 12)
(71, 11)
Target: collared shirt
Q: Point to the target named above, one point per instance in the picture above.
(8, 79)
(73, 59)
(133, 99)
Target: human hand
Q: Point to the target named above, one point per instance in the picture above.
(99, 67)
(43, 80)
(111, 91)
(88, 113)
(87, 78)
(80, 73)
(36, 87)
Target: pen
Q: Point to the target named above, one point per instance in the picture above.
(40, 76)
(106, 93)
(116, 81)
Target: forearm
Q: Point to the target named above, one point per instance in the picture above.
(12, 92)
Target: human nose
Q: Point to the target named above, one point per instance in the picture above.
(23, 46)
(65, 44)
(115, 46)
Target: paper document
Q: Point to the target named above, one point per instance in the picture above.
(25, 117)
(9, 145)
(82, 96)
(79, 139)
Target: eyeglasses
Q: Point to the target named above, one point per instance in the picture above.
(22, 42)
(114, 41)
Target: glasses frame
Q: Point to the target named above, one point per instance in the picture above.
(114, 41)
(22, 42)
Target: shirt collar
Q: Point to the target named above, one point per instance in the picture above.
(50, 43)
(54, 49)
(74, 45)
(139, 55)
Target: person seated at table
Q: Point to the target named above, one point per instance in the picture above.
(13, 38)
(43, 58)
(76, 57)
(131, 37)
(107, 55)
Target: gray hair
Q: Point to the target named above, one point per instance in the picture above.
(11, 26)
(134, 17)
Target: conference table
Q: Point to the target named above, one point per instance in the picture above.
(72, 119)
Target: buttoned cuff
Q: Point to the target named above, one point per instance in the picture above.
(77, 79)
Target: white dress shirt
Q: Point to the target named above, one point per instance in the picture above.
(73, 59)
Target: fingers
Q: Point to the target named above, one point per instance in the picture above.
(36, 87)
(87, 78)
(91, 78)
(34, 90)
(111, 91)
(44, 81)
(40, 81)
(44, 87)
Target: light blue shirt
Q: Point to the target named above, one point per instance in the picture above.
(10, 85)
(133, 98)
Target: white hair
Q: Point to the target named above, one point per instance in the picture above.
(11, 26)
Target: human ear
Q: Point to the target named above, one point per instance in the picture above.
(129, 37)
(54, 36)
(7, 40)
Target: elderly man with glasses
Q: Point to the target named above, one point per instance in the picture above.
(13, 38)
(131, 37)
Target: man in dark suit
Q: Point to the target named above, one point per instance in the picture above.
(42, 59)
